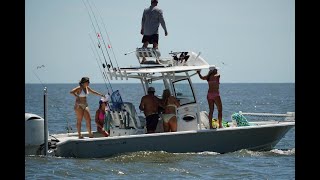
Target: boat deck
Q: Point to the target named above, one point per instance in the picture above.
(254, 124)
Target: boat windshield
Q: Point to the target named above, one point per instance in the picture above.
(184, 91)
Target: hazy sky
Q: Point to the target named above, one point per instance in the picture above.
(250, 40)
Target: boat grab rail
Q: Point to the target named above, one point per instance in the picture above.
(290, 116)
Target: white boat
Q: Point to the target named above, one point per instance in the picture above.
(128, 131)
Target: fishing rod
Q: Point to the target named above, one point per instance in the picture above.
(100, 70)
(38, 67)
(100, 35)
(99, 44)
(130, 52)
(105, 29)
(103, 65)
(69, 128)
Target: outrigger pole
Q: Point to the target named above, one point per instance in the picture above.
(45, 110)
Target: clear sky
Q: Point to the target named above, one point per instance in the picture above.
(252, 41)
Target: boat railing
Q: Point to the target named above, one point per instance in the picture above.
(289, 116)
(121, 74)
(152, 56)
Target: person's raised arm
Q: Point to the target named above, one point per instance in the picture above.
(95, 92)
(202, 77)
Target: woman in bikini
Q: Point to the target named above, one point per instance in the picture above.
(81, 106)
(213, 97)
(170, 104)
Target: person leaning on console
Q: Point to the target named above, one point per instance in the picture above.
(149, 105)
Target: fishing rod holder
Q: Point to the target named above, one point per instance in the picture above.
(118, 74)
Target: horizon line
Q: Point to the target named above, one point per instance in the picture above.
(192, 83)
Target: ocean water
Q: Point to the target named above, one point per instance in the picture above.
(278, 163)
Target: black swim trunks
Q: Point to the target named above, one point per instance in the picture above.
(152, 122)
(154, 38)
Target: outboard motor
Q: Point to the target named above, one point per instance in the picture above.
(34, 134)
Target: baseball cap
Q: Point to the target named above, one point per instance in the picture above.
(151, 89)
(213, 68)
(104, 99)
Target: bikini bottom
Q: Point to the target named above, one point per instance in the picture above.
(167, 117)
(82, 106)
(212, 95)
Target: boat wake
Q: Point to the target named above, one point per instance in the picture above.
(165, 157)
(290, 152)
(145, 156)
(156, 156)
(273, 152)
(210, 153)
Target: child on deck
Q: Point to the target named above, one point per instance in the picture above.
(102, 117)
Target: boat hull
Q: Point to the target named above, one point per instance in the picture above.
(257, 138)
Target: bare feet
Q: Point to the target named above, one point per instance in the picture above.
(106, 135)
(80, 137)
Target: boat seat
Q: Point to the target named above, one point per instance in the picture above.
(151, 56)
(137, 121)
(127, 117)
